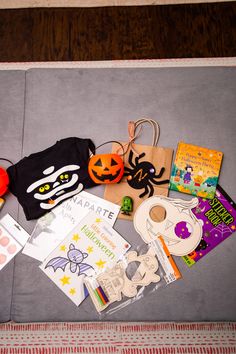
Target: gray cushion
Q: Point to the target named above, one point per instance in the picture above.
(196, 105)
(12, 94)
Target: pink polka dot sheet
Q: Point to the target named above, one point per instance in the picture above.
(12, 239)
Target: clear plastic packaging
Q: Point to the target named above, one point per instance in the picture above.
(139, 273)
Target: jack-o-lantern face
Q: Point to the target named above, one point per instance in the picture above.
(106, 168)
(4, 181)
(193, 254)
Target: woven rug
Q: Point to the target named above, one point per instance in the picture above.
(125, 338)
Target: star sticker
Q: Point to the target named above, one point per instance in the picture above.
(72, 291)
(98, 220)
(100, 263)
(65, 280)
(63, 248)
(76, 237)
(90, 249)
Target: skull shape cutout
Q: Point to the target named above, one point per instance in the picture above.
(180, 229)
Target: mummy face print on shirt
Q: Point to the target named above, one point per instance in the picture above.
(56, 185)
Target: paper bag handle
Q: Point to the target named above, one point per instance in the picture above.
(134, 134)
(133, 125)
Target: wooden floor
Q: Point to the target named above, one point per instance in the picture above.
(170, 31)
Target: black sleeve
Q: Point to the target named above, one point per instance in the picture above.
(84, 148)
(91, 146)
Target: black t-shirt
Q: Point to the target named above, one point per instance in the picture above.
(43, 180)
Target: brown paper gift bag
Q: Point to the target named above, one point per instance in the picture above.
(147, 169)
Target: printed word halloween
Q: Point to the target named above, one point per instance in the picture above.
(93, 237)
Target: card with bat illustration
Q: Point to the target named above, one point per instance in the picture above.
(91, 246)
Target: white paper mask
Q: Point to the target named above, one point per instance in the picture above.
(180, 229)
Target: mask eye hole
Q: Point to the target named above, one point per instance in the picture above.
(158, 213)
(41, 189)
(113, 162)
(98, 163)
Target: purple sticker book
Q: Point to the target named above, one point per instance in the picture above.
(219, 222)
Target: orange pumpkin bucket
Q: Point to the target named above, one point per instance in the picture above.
(106, 168)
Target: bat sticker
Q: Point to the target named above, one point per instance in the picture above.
(74, 258)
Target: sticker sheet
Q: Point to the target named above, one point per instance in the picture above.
(12, 239)
(90, 247)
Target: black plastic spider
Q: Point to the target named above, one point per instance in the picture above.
(142, 175)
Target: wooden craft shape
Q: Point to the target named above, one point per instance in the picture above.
(115, 281)
(178, 213)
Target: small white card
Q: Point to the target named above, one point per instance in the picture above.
(12, 239)
(91, 246)
(52, 228)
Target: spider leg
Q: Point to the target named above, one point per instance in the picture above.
(145, 192)
(160, 173)
(131, 154)
(127, 170)
(139, 157)
(151, 190)
(160, 182)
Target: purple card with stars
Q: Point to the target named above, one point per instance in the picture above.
(219, 222)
